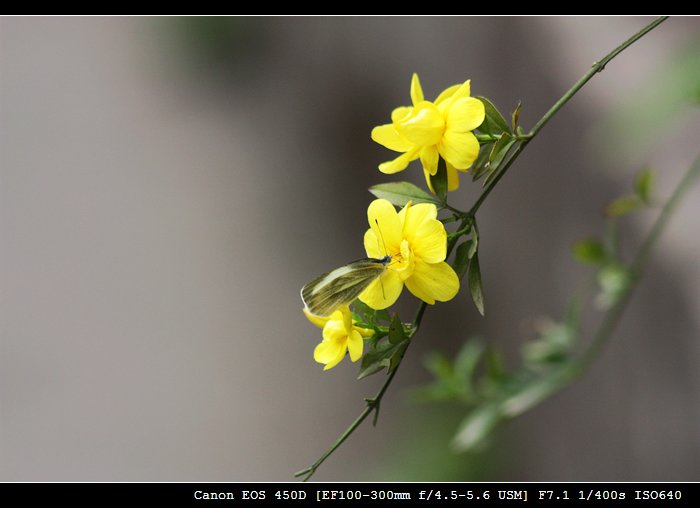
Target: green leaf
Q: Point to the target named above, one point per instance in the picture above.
(396, 331)
(453, 381)
(590, 251)
(643, 185)
(443, 387)
(552, 346)
(400, 193)
(439, 180)
(495, 367)
(476, 427)
(533, 393)
(462, 258)
(516, 116)
(481, 164)
(614, 280)
(467, 361)
(494, 123)
(623, 205)
(475, 285)
(364, 314)
(475, 241)
(384, 355)
(498, 153)
(397, 356)
(466, 251)
(439, 366)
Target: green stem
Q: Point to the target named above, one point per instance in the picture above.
(595, 68)
(613, 315)
(373, 404)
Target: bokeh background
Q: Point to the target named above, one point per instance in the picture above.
(168, 184)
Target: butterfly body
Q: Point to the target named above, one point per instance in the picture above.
(326, 293)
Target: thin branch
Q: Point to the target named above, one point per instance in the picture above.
(595, 68)
(636, 270)
(373, 404)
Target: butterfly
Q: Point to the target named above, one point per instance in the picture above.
(326, 293)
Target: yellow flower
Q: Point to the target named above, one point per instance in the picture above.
(417, 244)
(340, 335)
(428, 130)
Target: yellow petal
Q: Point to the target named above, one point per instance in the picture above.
(427, 181)
(429, 159)
(403, 266)
(387, 135)
(384, 291)
(447, 93)
(424, 127)
(416, 90)
(365, 332)
(373, 245)
(459, 148)
(317, 320)
(385, 223)
(330, 353)
(457, 92)
(431, 282)
(426, 234)
(465, 115)
(401, 113)
(452, 177)
(347, 318)
(355, 345)
(414, 215)
(463, 90)
(398, 164)
(430, 243)
(334, 329)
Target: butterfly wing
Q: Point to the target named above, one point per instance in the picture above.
(325, 294)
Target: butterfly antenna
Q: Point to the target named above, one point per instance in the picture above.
(385, 253)
(380, 236)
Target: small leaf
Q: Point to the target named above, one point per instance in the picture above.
(494, 123)
(462, 258)
(396, 331)
(400, 193)
(397, 356)
(386, 354)
(499, 152)
(614, 280)
(467, 361)
(475, 286)
(439, 180)
(590, 251)
(475, 241)
(439, 366)
(516, 116)
(364, 314)
(481, 164)
(476, 427)
(643, 185)
(370, 368)
(495, 367)
(623, 205)
(552, 346)
(532, 393)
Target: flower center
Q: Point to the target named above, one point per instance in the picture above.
(403, 262)
(424, 126)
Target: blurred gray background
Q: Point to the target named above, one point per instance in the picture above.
(168, 185)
